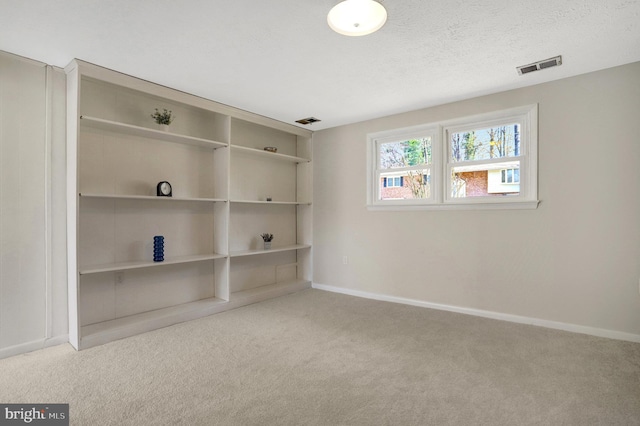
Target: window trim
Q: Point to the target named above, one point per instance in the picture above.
(373, 164)
(440, 167)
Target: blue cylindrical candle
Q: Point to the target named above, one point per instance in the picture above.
(158, 248)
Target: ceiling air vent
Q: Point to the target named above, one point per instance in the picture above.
(540, 65)
(308, 120)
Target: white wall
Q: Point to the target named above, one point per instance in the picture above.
(32, 242)
(574, 260)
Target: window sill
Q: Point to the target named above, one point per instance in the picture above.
(510, 205)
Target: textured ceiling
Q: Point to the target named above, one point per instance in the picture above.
(279, 58)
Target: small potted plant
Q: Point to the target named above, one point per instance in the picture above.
(267, 240)
(163, 118)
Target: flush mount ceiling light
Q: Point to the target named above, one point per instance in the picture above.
(357, 17)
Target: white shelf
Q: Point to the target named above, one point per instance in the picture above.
(268, 291)
(294, 203)
(129, 129)
(151, 197)
(272, 155)
(123, 266)
(272, 250)
(102, 332)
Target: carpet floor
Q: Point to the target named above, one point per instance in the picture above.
(320, 358)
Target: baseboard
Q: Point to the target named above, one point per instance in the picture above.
(55, 341)
(574, 328)
(33, 346)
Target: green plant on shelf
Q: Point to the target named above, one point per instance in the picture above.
(164, 117)
(267, 237)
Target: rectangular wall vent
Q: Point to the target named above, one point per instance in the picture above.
(540, 65)
(308, 120)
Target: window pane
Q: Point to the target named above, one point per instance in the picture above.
(484, 144)
(413, 184)
(413, 152)
(486, 180)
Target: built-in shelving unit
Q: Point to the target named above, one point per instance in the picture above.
(221, 176)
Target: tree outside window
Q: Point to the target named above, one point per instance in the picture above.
(407, 160)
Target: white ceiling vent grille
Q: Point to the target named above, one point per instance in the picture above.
(540, 65)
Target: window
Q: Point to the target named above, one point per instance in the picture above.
(402, 170)
(484, 161)
(390, 182)
(510, 176)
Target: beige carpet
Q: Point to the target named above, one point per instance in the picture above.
(317, 358)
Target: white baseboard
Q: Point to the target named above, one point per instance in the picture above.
(33, 346)
(599, 332)
(55, 341)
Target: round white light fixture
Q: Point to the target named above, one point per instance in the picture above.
(357, 17)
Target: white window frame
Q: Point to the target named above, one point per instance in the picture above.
(440, 169)
(375, 172)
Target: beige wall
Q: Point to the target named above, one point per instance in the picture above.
(573, 260)
(33, 298)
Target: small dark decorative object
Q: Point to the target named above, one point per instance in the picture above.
(164, 189)
(271, 149)
(269, 198)
(158, 248)
(267, 240)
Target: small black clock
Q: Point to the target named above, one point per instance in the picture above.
(164, 189)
